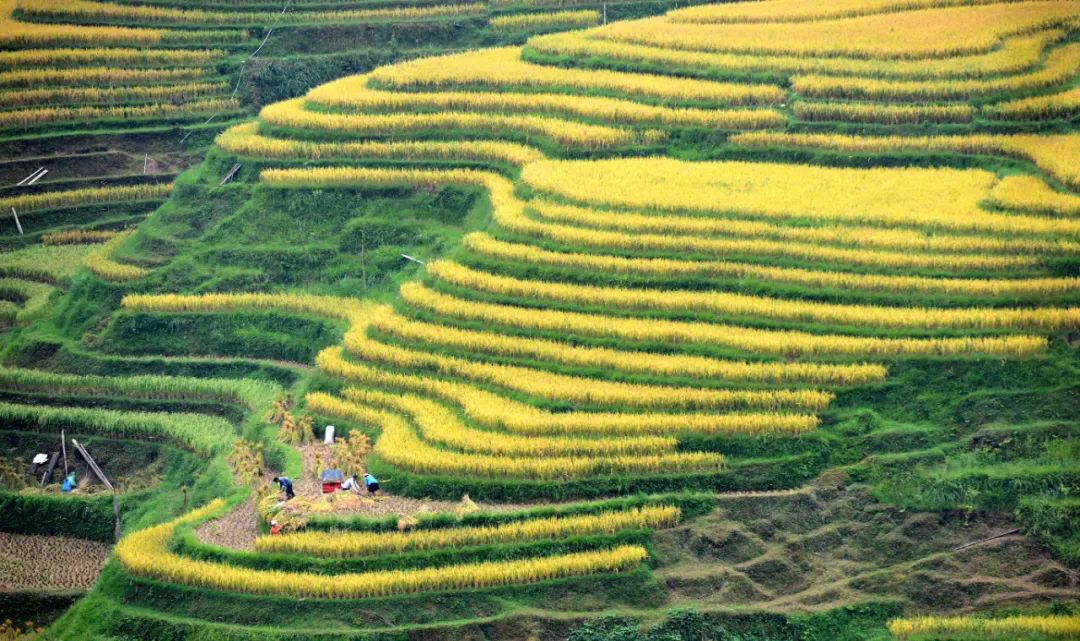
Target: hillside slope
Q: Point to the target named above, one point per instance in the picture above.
(766, 310)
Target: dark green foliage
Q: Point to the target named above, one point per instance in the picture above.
(253, 334)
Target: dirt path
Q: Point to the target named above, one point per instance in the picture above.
(49, 562)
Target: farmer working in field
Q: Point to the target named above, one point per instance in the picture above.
(286, 486)
(351, 485)
(372, 483)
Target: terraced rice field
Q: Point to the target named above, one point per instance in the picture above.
(697, 299)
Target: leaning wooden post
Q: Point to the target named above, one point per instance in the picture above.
(17, 223)
(101, 475)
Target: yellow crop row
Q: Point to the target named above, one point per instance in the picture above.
(761, 306)
(542, 384)
(101, 262)
(353, 92)
(547, 20)
(291, 113)
(91, 75)
(84, 9)
(400, 446)
(789, 343)
(499, 412)
(1029, 193)
(77, 236)
(945, 198)
(24, 117)
(351, 544)
(927, 33)
(502, 68)
(346, 309)
(1056, 105)
(889, 114)
(1057, 627)
(437, 424)
(146, 553)
(800, 10)
(112, 94)
(1058, 155)
(119, 55)
(1060, 66)
(1014, 55)
(48, 263)
(387, 321)
(91, 195)
(808, 249)
(800, 241)
(936, 198)
(244, 140)
(485, 245)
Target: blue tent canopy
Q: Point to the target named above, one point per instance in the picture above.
(332, 476)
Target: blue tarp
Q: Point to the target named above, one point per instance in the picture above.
(332, 476)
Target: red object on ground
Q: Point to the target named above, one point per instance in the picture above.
(330, 487)
(275, 529)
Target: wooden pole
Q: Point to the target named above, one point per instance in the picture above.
(17, 223)
(101, 475)
(63, 448)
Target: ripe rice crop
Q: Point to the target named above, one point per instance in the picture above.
(26, 203)
(810, 249)
(243, 139)
(1057, 627)
(291, 113)
(742, 304)
(628, 230)
(1015, 55)
(400, 446)
(90, 10)
(119, 55)
(1029, 193)
(1060, 66)
(485, 245)
(552, 20)
(26, 117)
(100, 262)
(628, 361)
(790, 343)
(500, 412)
(352, 92)
(345, 309)
(90, 75)
(1056, 105)
(502, 69)
(936, 198)
(1058, 155)
(438, 424)
(799, 11)
(77, 236)
(146, 553)
(928, 33)
(352, 544)
(542, 384)
(114, 94)
(203, 434)
(889, 114)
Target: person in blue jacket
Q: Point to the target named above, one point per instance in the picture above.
(286, 486)
(371, 483)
